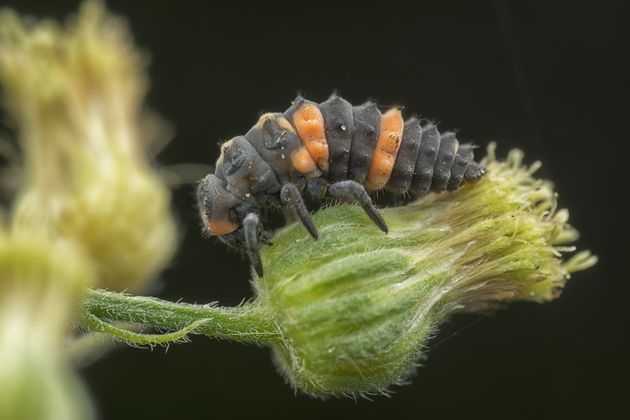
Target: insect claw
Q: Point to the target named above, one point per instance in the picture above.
(376, 217)
(257, 264)
(310, 226)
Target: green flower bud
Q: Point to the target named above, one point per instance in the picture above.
(42, 282)
(356, 308)
(76, 93)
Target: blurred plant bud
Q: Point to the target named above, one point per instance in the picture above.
(76, 93)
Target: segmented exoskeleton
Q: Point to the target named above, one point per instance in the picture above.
(332, 149)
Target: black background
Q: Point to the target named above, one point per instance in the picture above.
(547, 77)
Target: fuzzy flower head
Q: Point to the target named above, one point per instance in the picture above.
(75, 92)
(356, 308)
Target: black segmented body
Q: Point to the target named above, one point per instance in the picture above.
(427, 160)
(332, 149)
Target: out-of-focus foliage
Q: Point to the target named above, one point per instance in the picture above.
(90, 209)
(75, 92)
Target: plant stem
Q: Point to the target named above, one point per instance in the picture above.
(247, 323)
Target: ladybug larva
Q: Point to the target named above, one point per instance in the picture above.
(334, 150)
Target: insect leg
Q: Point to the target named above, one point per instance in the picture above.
(250, 227)
(352, 191)
(290, 196)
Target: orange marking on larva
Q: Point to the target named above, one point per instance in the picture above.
(386, 150)
(221, 227)
(303, 162)
(309, 123)
(383, 165)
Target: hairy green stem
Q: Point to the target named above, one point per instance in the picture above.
(247, 323)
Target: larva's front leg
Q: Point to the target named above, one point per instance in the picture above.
(251, 224)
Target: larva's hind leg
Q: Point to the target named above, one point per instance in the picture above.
(290, 197)
(352, 191)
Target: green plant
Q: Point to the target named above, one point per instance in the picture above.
(348, 314)
(351, 313)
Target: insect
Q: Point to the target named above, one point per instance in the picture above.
(327, 150)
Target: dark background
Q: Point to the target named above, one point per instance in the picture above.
(547, 77)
